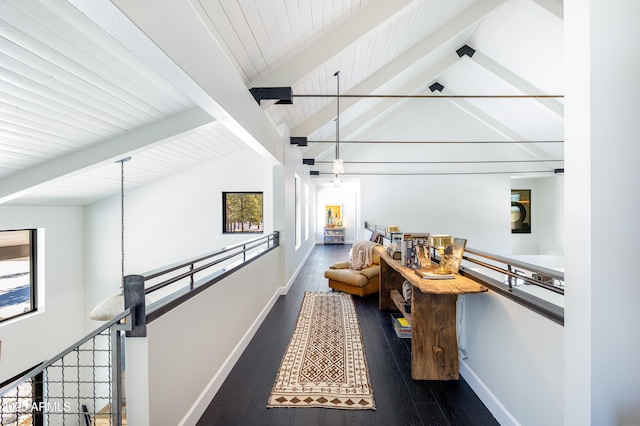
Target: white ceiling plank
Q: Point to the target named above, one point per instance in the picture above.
(555, 7)
(222, 31)
(304, 10)
(398, 67)
(32, 72)
(296, 69)
(267, 30)
(91, 63)
(111, 150)
(235, 12)
(517, 82)
(294, 25)
(43, 105)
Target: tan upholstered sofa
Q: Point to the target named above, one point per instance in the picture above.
(357, 282)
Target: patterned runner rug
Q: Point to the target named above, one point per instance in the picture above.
(324, 364)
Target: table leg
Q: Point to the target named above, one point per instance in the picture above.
(434, 345)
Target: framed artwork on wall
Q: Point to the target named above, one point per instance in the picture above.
(520, 211)
(333, 215)
(242, 212)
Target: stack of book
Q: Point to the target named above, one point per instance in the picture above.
(431, 275)
(402, 327)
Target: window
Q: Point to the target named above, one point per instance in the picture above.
(242, 212)
(298, 219)
(17, 273)
(306, 212)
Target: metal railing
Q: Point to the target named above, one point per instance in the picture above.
(516, 271)
(85, 382)
(75, 387)
(188, 278)
(507, 277)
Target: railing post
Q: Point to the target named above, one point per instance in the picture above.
(134, 298)
(116, 367)
(38, 397)
(244, 252)
(191, 276)
(510, 277)
(116, 377)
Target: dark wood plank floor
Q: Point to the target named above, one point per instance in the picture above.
(399, 400)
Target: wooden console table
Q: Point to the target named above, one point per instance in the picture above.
(434, 345)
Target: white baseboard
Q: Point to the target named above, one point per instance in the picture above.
(493, 404)
(198, 408)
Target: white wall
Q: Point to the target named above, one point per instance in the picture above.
(33, 338)
(547, 216)
(475, 208)
(515, 360)
(602, 151)
(294, 258)
(191, 349)
(169, 220)
(346, 195)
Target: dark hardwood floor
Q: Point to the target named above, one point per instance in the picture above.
(399, 400)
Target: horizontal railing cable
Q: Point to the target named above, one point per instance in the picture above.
(434, 142)
(242, 247)
(245, 252)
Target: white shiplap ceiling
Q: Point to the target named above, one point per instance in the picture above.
(69, 88)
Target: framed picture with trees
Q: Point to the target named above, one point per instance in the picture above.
(242, 212)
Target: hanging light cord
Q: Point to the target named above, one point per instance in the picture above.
(124, 160)
(337, 74)
(122, 221)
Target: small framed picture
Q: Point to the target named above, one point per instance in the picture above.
(520, 211)
(333, 215)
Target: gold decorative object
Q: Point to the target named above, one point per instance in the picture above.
(441, 242)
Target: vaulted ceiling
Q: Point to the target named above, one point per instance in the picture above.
(74, 97)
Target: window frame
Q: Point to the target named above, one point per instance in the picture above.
(33, 273)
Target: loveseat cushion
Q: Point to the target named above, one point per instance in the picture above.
(347, 276)
(371, 271)
(353, 277)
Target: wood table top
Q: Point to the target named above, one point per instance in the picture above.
(456, 285)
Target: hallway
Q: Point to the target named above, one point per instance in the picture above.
(399, 399)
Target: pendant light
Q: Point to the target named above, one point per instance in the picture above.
(338, 164)
(112, 306)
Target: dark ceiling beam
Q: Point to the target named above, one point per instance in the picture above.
(298, 140)
(466, 50)
(436, 87)
(284, 95)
